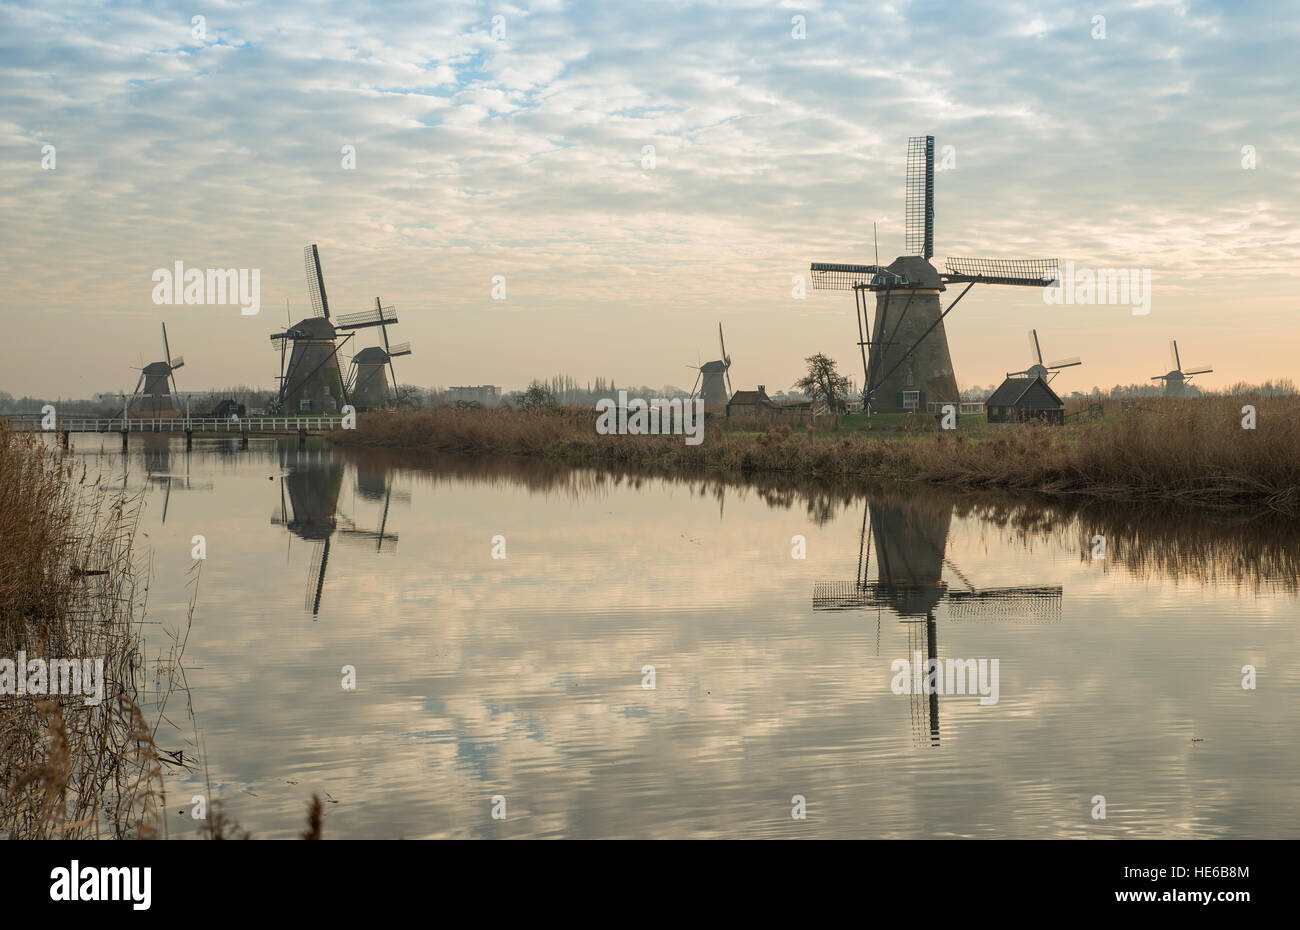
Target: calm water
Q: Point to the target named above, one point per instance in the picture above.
(522, 676)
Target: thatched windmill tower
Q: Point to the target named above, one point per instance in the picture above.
(1177, 379)
(716, 378)
(155, 391)
(312, 382)
(905, 355)
(368, 385)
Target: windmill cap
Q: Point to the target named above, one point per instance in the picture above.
(917, 270)
(315, 327)
(371, 355)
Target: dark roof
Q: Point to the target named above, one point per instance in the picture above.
(371, 355)
(750, 397)
(1012, 390)
(316, 327)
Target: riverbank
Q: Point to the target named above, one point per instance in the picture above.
(1190, 451)
(77, 758)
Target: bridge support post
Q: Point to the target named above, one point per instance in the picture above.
(302, 438)
(243, 440)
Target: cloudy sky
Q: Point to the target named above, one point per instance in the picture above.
(495, 139)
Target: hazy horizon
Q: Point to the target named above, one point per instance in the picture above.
(522, 156)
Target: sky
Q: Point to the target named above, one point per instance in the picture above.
(500, 142)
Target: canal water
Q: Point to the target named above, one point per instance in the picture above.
(548, 652)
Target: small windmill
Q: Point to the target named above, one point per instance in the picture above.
(1176, 379)
(367, 384)
(905, 358)
(716, 379)
(159, 385)
(1038, 369)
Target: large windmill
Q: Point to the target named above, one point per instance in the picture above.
(911, 540)
(716, 379)
(1038, 369)
(155, 391)
(905, 355)
(1176, 379)
(368, 386)
(312, 381)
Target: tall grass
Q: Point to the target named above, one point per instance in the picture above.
(1191, 450)
(68, 589)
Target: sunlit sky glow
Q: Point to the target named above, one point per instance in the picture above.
(522, 157)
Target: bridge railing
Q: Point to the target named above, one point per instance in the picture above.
(283, 424)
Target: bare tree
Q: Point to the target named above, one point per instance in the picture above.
(824, 382)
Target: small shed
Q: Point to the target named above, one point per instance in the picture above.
(1019, 400)
(750, 405)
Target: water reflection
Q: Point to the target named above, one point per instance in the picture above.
(522, 676)
(309, 509)
(1250, 551)
(910, 538)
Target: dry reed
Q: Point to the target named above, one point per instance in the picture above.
(68, 589)
(1191, 451)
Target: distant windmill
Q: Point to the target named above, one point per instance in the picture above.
(156, 387)
(716, 391)
(313, 382)
(367, 384)
(1038, 369)
(909, 366)
(1176, 379)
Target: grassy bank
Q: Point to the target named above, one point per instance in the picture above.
(1192, 451)
(68, 590)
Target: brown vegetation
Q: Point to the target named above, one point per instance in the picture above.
(67, 589)
(1191, 451)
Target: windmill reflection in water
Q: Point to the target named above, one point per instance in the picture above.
(309, 510)
(910, 540)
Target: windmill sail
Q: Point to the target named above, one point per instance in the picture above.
(919, 209)
(316, 282)
(907, 364)
(375, 316)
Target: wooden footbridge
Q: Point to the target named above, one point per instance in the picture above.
(300, 426)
